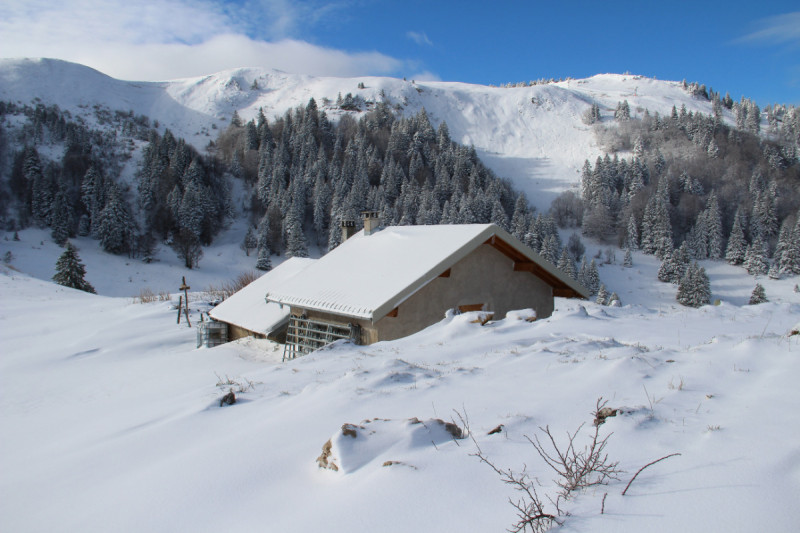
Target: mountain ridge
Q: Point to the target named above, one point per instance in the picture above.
(533, 135)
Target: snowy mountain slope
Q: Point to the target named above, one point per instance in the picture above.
(533, 135)
(112, 418)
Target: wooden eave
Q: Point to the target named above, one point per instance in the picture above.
(522, 263)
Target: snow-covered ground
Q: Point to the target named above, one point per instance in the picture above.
(111, 419)
(532, 135)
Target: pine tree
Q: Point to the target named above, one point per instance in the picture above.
(627, 262)
(583, 272)
(774, 271)
(295, 238)
(70, 271)
(592, 278)
(680, 261)
(694, 289)
(263, 262)
(632, 234)
(262, 243)
(250, 241)
(758, 296)
(737, 245)
(755, 261)
(666, 272)
(519, 220)
(566, 264)
(115, 227)
(62, 219)
(713, 223)
(614, 300)
(602, 295)
(790, 253)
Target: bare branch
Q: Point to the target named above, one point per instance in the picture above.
(645, 466)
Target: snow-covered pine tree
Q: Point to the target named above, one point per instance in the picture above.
(250, 241)
(550, 249)
(694, 290)
(680, 261)
(737, 245)
(623, 111)
(62, 222)
(264, 262)
(627, 261)
(790, 254)
(758, 296)
(115, 228)
(592, 278)
(774, 271)
(295, 238)
(583, 272)
(519, 219)
(632, 234)
(70, 271)
(755, 261)
(566, 264)
(713, 220)
(666, 272)
(262, 244)
(602, 295)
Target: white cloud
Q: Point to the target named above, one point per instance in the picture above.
(778, 30)
(425, 76)
(166, 39)
(419, 37)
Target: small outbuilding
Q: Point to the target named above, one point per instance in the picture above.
(247, 314)
(386, 283)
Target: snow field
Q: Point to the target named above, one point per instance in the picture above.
(111, 418)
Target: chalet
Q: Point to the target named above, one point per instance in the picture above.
(386, 283)
(247, 314)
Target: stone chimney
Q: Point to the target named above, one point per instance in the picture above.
(348, 229)
(372, 222)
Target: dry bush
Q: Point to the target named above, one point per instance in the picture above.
(241, 385)
(575, 468)
(146, 296)
(225, 289)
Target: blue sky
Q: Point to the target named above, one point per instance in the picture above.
(745, 48)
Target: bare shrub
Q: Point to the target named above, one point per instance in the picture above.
(146, 296)
(575, 468)
(532, 513)
(240, 386)
(225, 289)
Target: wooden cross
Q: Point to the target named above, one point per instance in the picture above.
(183, 301)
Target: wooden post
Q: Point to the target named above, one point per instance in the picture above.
(180, 308)
(184, 287)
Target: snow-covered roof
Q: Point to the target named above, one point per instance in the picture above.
(368, 276)
(248, 309)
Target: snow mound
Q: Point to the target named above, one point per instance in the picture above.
(385, 442)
